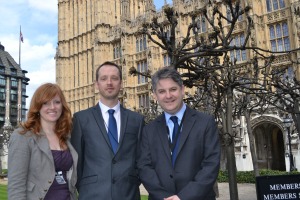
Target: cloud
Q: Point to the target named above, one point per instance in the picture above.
(12, 10)
(39, 27)
(38, 77)
(38, 60)
(48, 5)
(38, 19)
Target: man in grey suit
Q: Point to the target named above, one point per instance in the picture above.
(106, 138)
(179, 151)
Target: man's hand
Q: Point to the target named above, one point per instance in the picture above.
(174, 197)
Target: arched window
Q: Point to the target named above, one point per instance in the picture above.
(145, 42)
(279, 37)
(137, 45)
(273, 5)
(117, 52)
(141, 45)
(239, 55)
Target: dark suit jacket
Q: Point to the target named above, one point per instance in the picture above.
(197, 164)
(101, 174)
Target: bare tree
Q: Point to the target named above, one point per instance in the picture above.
(4, 138)
(284, 92)
(207, 65)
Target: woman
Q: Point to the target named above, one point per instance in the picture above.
(41, 161)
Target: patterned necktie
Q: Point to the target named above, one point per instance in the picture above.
(174, 141)
(112, 130)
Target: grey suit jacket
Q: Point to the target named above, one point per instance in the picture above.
(197, 164)
(101, 173)
(31, 169)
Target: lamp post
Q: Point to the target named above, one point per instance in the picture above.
(288, 123)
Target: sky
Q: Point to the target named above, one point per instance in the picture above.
(37, 20)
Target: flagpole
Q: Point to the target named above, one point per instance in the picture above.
(20, 47)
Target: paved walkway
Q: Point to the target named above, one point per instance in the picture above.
(246, 191)
(3, 181)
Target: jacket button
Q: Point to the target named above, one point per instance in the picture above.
(113, 181)
(45, 190)
(49, 181)
(171, 176)
(114, 161)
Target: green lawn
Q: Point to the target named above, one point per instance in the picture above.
(143, 197)
(3, 192)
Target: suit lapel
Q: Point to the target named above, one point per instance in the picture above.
(101, 124)
(43, 145)
(163, 132)
(73, 152)
(124, 118)
(188, 123)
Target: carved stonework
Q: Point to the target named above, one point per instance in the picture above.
(142, 88)
(269, 119)
(86, 44)
(274, 16)
(240, 26)
(280, 59)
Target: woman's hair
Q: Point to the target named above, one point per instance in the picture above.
(43, 94)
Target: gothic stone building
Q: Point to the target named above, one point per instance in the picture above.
(93, 31)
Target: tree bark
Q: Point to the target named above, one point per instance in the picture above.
(233, 190)
(252, 144)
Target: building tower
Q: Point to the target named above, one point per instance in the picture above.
(12, 90)
(12, 99)
(93, 31)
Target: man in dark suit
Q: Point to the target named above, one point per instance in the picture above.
(105, 138)
(179, 151)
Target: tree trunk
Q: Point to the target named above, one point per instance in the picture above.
(229, 142)
(296, 116)
(1, 153)
(252, 144)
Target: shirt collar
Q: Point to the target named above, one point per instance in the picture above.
(179, 114)
(105, 108)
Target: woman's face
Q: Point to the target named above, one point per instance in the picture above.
(51, 110)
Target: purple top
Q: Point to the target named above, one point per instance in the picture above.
(59, 189)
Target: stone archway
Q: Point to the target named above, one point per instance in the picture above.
(269, 142)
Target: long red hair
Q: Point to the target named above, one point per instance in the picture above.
(43, 94)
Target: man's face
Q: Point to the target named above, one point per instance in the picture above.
(169, 95)
(109, 82)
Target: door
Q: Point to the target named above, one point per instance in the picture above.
(269, 146)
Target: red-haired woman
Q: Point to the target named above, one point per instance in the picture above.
(41, 161)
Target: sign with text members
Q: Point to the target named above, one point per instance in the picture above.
(278, 187)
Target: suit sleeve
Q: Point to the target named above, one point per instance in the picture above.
(78, 144)
(147, 172)
(18, 165)
(204, 180)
